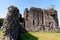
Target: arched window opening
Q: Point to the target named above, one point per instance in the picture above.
(49, 25)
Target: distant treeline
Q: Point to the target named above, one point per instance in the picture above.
(1, 21)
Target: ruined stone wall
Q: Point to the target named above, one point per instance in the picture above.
(37, 19)
(11, 24)
(32, 21)
(53, 19)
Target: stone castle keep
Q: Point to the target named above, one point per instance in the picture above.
(37, 19)
(34, 20)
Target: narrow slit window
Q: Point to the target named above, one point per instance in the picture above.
(33, 22)
(49, 23)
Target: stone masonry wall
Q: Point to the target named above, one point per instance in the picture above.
(11, 24)
(38, 19)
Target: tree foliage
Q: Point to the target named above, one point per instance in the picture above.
(1, 21)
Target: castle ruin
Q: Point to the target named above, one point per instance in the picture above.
(34, 20)
(38, 19)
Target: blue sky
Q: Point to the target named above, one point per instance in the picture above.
(22, 4)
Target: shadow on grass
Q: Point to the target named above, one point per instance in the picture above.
(27, 36)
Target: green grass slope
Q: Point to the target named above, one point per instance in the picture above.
(40, 36)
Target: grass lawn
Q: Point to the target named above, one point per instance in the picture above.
(0, 33)
(38, 36)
